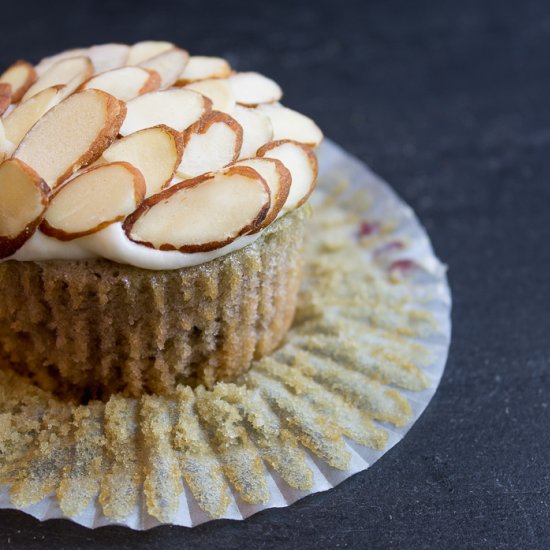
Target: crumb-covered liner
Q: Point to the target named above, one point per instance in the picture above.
(360, 364)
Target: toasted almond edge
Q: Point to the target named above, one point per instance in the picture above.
(89, 73)
(208, 119)
(256, 104)
(285, 179)
(32, 77)
(116, 113)
(10, 245)
(185, 54)
(311, 156)
(139, 194)
(152, 83)
(178, 143)
(185, 81)
(5, 97)
(148, 203)
(206, 106)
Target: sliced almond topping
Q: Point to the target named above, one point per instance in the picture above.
(47, 62)
(145, 50)
(203, 213)
(23, 199)
(20, 76)
(72, 135)
(71, 87)
(200, 67)
(6, 147)
(125, 83)
(27, 113)
(289, 124)
(93, 200)
(169, 65)
(5, 97)
(106, 57)
(176, 108)
(155, 152)
(210, 144)
(257, 130)
(218, 91)
(74, 70)
(278, 179)
(251, 89)
(302, 164)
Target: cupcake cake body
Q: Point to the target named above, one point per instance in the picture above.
(152, 209)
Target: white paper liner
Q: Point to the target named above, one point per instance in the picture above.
(335, 165)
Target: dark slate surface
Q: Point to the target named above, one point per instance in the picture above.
(449, 101)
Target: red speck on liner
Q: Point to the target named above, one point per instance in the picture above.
(368, 228)
(402, 266)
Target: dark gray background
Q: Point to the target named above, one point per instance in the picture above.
(448, 101)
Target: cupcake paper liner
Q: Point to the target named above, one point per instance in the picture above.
(125, 329)
(360, 363)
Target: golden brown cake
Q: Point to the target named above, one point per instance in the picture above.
(151, 218)
(106, 327)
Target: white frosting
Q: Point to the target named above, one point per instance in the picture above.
(113, 244)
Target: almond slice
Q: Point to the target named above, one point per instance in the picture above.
(93, 200)
(5, 97)
(218, 91)
(20, 76)
(202, 213)
(257, 130)
(210, 144)
(155, 152)
(200, 67)
(302, 164)
(72, 135)
(145, 50)
(289, 124)
(176, 108)
(6, 147)
(125, 83)
(106, 57)
(23, 200)
(74, 70)
(27, 113)
(71, 87)
(169, 65)
(278, 179)
(47, 62)
(251, 89)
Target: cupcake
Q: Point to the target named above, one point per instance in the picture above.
(153, 207)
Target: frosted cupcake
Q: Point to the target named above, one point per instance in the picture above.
(152, 214)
